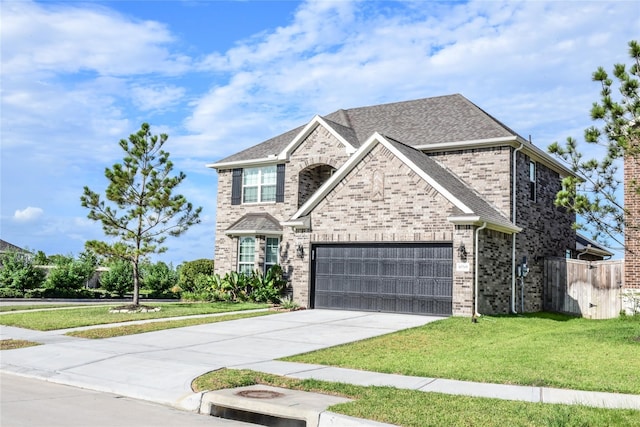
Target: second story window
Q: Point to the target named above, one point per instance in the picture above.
(259, 185)
(532, 181)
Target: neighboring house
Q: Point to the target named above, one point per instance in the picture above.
(8, 247)
(589, 250)
(429, 206)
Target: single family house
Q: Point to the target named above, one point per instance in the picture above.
(429, 206)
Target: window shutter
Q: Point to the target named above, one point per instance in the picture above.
(236, 187)
(280, 184)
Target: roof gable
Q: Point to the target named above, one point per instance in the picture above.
(341, 133)
(473, 208)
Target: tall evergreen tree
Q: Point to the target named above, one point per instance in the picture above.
(141, 210)
(595, 194)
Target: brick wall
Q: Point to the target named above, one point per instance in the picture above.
(546, 231)
(632, 230)
(319, 148)
(486, 170)
(401, 207)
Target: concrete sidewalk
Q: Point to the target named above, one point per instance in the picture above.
(159, 366)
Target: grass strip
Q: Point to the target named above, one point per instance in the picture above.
(414, 408)
(11, 344)
(9, 308)
(118, 331)
(63, 319)
(537, 350)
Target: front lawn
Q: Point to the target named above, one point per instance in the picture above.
(539, 350)
(413, 408)
(71, 318)
(118, 331)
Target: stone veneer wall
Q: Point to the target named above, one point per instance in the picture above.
(632, 230)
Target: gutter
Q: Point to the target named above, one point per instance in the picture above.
(477, 263)
(513, 236)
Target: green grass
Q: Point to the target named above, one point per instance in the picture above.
(419, 409)
(539, 350)
(11, 344)
(8, 308)
(118, 331)
(62, 319)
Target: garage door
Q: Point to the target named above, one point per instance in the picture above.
(398, 278)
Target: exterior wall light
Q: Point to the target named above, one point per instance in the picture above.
(462, 252)
(300, 251)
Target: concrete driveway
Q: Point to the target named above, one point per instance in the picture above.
(159, 366)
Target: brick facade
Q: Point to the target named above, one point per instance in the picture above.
(632, 229)
(382, 200)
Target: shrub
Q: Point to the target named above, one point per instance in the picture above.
(18, 272)
(119, 278)
(70, 273)
(190, 270)
(268, 288)
(238, 287)
(61, 293)
(11, 293)
(158, 278)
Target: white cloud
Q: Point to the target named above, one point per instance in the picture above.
(156, 97)
(28, 214)
(527, 63)
(68, 38)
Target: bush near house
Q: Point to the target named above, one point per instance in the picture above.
(237, 287)
(189, 271)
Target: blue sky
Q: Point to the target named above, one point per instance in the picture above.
(219, 76)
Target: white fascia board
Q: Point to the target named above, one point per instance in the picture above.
(477, 220)
(273, 159)
(432, 182)
(336, 177)
(531, 150)
(539, 155)
(310, 127)
(476, 143)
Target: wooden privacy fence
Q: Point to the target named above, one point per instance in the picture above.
(591, 289)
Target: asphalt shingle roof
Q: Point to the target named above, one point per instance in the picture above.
(261, 222)
(450, 118)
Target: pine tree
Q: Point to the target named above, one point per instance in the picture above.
(595, 194)
(141, 210)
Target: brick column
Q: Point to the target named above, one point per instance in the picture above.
(632, 230)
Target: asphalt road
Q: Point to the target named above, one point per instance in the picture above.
(26, 402)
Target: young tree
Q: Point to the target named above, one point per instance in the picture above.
(143, 210)
(595, 195)
(17, 271)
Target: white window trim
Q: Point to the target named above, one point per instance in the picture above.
(240, 263)
(267, 265)
(260, 170)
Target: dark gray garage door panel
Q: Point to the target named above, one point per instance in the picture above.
(402, 278)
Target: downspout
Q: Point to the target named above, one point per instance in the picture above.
(513, 236)
(475, 302)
